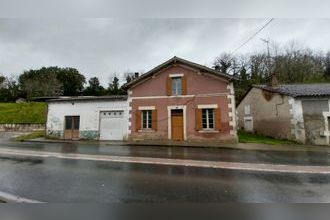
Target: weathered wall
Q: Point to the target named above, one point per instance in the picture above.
(89, 113)
(201, 89)
(315, 122)
(270, 117)
(297, 120)
(22, 127)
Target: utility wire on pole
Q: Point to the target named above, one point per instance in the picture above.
(249, 39)
(268, 56)
(253, 36)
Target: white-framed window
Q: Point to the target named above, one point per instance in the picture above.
(247, 109)
(176, 85)
(208, 119)
(146, 119)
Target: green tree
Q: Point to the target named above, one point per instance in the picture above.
(94, 88)
(9, 90)
(2, 80)
(327, 66)
(41, 82)
(51, 81)
(114, 87)
(72, 81)
(223, 63)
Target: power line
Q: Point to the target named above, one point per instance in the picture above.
(253, 36)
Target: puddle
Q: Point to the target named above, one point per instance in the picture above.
(29, 161)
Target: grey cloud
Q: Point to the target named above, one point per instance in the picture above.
(165, 9)
(101, 47)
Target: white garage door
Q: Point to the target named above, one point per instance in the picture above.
(112, 125)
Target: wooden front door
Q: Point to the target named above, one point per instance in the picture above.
(72, 124)
(177, 124)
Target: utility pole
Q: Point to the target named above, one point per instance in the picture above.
(268, 60)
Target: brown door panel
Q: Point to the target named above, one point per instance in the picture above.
(177, 127)
(68, 134)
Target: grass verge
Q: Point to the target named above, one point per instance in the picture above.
(245, 137)
(23, 113)
(33, 135)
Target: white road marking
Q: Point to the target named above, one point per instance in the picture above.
(279, 168)
(10, 198)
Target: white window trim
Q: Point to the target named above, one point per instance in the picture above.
(176, 88)
(207, 106)
(247, 109)
(169, 117)
(209, 131)
(144, 129)
(176, 75)
(141, 108)
(208, 122)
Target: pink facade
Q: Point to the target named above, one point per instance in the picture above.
(202, 90)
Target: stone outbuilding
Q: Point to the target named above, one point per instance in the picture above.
(99, 118)
(299, 112)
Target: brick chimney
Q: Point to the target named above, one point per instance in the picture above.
(272, 81)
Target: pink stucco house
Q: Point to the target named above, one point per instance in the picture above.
(182, 101)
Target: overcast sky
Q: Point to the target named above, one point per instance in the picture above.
(100, 47)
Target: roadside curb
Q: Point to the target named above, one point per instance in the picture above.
(253, 167)
(238, 146)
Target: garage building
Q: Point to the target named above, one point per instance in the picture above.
(299, 112)
(98, 118)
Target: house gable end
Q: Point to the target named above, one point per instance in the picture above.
(193, 82)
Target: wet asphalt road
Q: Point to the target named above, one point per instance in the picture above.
(58, 180)
(63, 180)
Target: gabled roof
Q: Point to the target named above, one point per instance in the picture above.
(177, 60)
(299, 90)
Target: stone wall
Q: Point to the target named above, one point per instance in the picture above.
(315, 120)
(22, 127)
(269, 114)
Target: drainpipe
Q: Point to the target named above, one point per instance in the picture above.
(278, 104)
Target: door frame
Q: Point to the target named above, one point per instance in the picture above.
(72, 127)
(248, 118)
(169, 122)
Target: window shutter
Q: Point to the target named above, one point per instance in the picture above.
(199, 122)
(218, 119)
(154, 120)
(169, 86)
(184, 85)
(138, 120)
